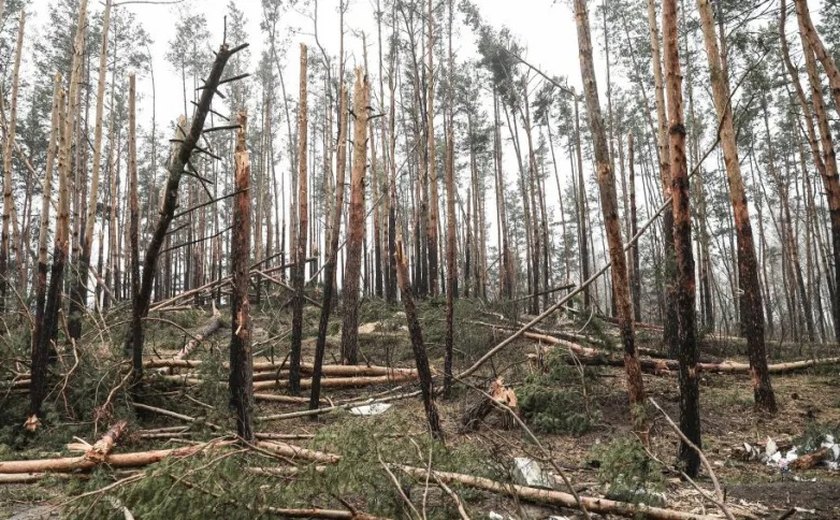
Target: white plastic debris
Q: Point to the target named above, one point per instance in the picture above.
(370, 409)
(771, 449)
(527, 472)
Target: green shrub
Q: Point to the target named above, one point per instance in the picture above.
(556, 401)
(627, 471)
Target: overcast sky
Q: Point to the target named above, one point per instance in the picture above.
(546, 27)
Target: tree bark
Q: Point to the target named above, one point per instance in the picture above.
(670, 329)
(78, 298)
(421, 359)
(9, 146)
(683, 252)
(752, 314)
(241, 360)
(356, 221)
(451, 264)
(609, 206)
(177, 164)
(302, 227)
(133, 208)
(332, 251)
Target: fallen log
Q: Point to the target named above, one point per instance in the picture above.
(116, 460)
(341, 382)
(212, 326)
(554, 498)
(594, 357)
(536, 495)
(296, 452)
(306, 368)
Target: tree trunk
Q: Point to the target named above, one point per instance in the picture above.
(811, 46)
(427, 386)
(332, 251)
(241, 361)
(8, 151)
(752, 316)
(684, 254)
(178, 162)
(56, 129)
(302, 228)
(356, 221)
(451, 264)
(78, 299)
(670, 275)
(431, 162)
(609, 206)
(636, 281)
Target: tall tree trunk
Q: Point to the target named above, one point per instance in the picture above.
(506, 264)
(683, 252)
(431, 163)
(133, 208)
(451, 264)
(177, 164)
(812, 44)
(752, 316)
(356, 221)
(8, 151)
(609, 207)
(78, 298)
(302, 228)
(332, 251)
(636, 280)
(670, 274)
(44, 322)
(241, 360)
(583, 236)
(56, 129)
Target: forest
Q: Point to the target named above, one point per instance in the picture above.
(420, 259)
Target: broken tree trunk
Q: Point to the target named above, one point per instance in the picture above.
(355, 221)
(241, 360)
(177, 164)
(78, 298)
(102, 448)
(476, 413)
(420, 356)
(117, 460)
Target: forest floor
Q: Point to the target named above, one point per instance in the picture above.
(579, 414)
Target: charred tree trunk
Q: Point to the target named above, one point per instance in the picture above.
(332, 251)
(356, 221)
(752, 315)
(46, 325)
(609, 206)
(177, 164)
(56, 128)
(684, 254)
(241, 361)
(431, 162)
(670, 331)
(424, 373)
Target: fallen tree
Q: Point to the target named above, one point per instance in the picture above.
(116, 460)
